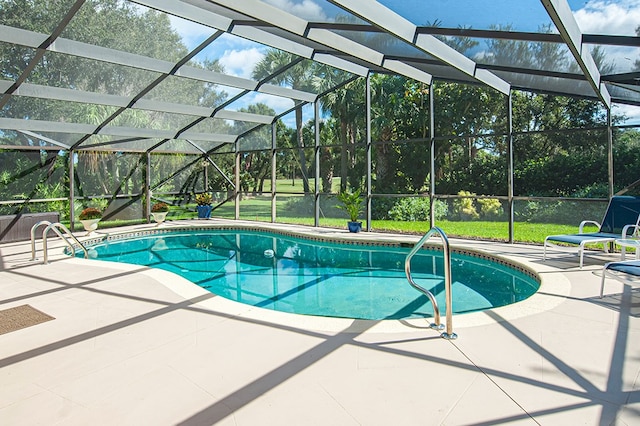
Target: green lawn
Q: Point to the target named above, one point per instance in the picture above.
(523, 232)
(259, 209)
(287, 185)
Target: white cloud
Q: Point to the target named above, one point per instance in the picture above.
(240, 63)
(192, 33)
(278, 103)
(609, 17)
(306, 9)
(631, 112)
(232, 41)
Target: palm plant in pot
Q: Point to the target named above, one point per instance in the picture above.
(204, 208)
(352, 203)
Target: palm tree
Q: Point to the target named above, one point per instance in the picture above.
(299, 77)
(345, 106)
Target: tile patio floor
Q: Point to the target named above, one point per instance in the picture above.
(133, 346)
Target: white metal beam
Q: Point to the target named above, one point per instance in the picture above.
(46, 126)
(45, 139)
(103, 54)
(561, 15)
(189, 12)
(62, 94)
(392, 23)
(298, 26)
(87, 129)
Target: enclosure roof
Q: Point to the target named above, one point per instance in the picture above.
(79, 75)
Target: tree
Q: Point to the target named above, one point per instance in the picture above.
(274, 67)
(112, 24)
(257, 160)
(345, 106)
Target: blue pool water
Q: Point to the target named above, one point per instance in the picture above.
(303, 276)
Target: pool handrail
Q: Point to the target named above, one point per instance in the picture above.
(448, 334)
(54, 227)
(33, 236)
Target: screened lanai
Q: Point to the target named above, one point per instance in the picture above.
(276, 106)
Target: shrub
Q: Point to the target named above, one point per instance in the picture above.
(90, 213)
(417, 209)
(490, 208)
(440, 209)
(464, 207)
(159, 208)
(380, 208)
(204, 199)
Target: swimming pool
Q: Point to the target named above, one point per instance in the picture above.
(296, 274)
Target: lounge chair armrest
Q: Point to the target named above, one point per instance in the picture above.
(584, 222)
(626, 228)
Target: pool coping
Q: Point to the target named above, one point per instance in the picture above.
(553, 289)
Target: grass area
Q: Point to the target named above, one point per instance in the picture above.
(531, 233)
(259, 209)
(523, 232)
(297, 186)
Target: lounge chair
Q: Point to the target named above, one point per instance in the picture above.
(623, 212)
(630, 240)
(627, 272)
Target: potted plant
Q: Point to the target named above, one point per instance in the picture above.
(159, 212)
(204, 208)
(352, 203)
(89, 218)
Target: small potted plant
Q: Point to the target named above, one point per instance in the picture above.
(204, 208)
(89, 218)
(352, 203)
(159, 212)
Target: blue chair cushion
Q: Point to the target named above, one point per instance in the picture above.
(580, 238)
(631, 268)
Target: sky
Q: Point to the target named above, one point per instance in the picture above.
(618, 18)
(621, 17)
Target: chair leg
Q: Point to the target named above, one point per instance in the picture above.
(604, 276)
(581, 254)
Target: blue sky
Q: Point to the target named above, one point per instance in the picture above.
(622, 17)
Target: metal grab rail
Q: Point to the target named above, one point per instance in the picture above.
(33, 236)
(54, 227)
(448, 334)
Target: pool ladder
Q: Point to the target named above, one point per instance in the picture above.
(55, 227)
(448, 333)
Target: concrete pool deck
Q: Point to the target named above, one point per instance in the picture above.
(134, 346)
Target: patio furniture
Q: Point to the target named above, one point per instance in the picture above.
(627, 272)
(629, 241)
(623, 212)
